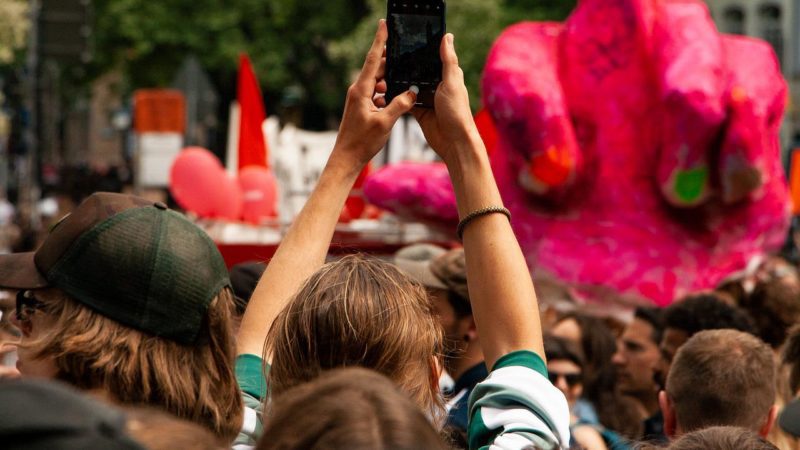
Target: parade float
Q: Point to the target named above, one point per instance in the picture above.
(636, 147)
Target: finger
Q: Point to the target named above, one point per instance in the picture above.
(450, 68)
(381, 87)
(381, 70)
(369, 73)
(400, 105)
(379, 101)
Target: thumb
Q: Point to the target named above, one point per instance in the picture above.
(450, 68)
(400, 105)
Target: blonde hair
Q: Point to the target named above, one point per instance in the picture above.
(359, 312)
(193, 382)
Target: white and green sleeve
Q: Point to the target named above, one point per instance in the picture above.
(517, 407)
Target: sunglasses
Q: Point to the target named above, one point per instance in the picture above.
(572, 379)
(27, 304)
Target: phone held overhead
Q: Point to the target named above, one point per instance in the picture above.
(416, 29)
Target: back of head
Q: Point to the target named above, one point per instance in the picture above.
(347, 409)
(774, 305)
(358, 312)
(722, 377)
(722, 438)
(157, 430)
(706, 311)
(40, 415)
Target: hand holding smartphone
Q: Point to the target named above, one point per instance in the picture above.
(416, 29)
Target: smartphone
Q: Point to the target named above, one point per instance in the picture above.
(416, 29)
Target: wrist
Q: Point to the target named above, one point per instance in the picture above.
(467, 153)
(343, 165)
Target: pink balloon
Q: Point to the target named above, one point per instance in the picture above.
(259, 192)
(194, 180)
(230, 206)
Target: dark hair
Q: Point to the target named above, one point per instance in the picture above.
(722, 377)
(774, 306)
(599, 344)
(461, 306)
(655, 318)
(706, 311)
(791, 357)
(351, 408)
(556, 348)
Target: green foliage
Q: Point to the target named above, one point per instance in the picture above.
(14, 26)
(475, 24)
(296, 45)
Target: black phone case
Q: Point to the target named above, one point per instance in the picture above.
(395, 87)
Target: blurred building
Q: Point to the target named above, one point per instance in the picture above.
(777, 22)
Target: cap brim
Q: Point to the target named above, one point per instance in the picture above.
(18, 271)
(421, 272)
(789, 420)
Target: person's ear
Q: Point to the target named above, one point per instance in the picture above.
(668, 411)
(766, 427)
(472, 330)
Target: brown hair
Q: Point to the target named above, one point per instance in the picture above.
(350, 408)
(157, 430)
(774, 307)
(197, 383)
(359, 312)
(598, 344)
(722, 438)
(722, 377)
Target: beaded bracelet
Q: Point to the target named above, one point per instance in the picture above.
(478, 213)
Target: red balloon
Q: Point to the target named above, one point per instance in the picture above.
(230, 205)
(194, 180)
(259, 193)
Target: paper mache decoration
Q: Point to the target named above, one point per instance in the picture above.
(637, 149)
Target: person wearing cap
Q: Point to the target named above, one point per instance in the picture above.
(443, 274)
(131, 301)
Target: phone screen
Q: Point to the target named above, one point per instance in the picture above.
(415, 34)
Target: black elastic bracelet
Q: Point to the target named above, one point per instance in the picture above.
(477, 213)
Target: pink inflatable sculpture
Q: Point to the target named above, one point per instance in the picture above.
(638, 150)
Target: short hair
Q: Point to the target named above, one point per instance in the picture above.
(706, 311)
(556, 348)
(193, 382)
(359, 311)
(654, 317)
(722, 377)
(791, 357)
(774, 306)
(352, 408)
(722, 438)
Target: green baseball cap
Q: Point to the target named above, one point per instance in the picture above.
(129, 259)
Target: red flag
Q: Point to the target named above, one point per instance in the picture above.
(252, 146)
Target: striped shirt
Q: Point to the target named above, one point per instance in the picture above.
(517, 407)
(253, 386)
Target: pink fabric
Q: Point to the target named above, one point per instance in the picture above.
(638, 149)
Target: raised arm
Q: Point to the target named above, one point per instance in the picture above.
(500, 288)
(363, 132)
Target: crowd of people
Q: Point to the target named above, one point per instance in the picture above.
(132, 334)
